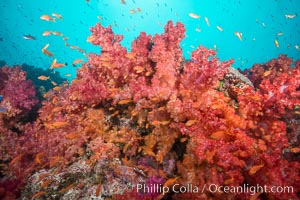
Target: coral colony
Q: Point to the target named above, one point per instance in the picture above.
(148, 124)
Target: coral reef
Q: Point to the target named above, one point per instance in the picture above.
(18, 100)
(148, 117)
(42, 86)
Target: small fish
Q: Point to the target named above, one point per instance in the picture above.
(122, 1)
(77, 61)
(190, 122)
(207, 22)
(44, 78)
(279, 33)
(219, 28)
(276, 43)
(239, 35)
(48, 53)
(65, 38)
(58, 124)
(46, 183)
(98, 189)
(297, 47)
(68, 75)
(74, 47)
(295, 150)
(138, 69)
(193, 15)
(183, 139)
(38, 194)
(267, 73)
(57, 16)
(90, 38)
(16, 159)
(132, 11)
(54, 64)
(139, 9)
(290, 16)
(57, 88)
(53, 83)
(45, 51)
(228, 181)
(47, 18)
(157, 123)
(38, 158)
(198, 29)
(47, 33)
(46, 46)
(57, 33)
(54, 161)
(255, 168)
(72, 135)
(124, 101)
(29, 37)
(217, 135)
(64, 190)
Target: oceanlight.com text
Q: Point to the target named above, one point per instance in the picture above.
(246, 188)
(212, 188)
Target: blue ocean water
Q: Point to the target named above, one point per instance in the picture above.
(259, 22)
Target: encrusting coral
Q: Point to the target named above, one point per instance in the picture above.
(150, 117)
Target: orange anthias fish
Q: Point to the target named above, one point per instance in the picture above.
(255, 168)
(57, 33)
(219, 28)
(207, 22)
(239, 35)
(193, 15)
(54, 64)
(46, 33)
(57, 16)
(58, 124)
(47, 18)
(77, 61)
(276, 43)
(38, 194)
(45, 51)
(91, 38)
(43, 78)
(74, 47)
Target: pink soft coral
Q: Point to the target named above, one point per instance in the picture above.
(19, 94)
